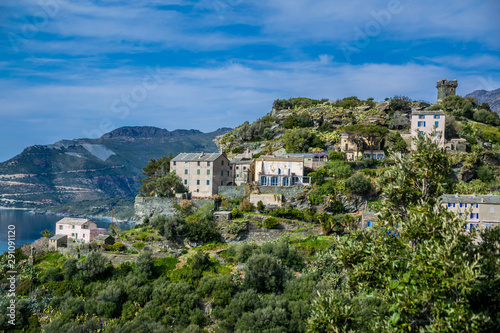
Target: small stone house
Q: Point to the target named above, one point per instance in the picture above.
(222, 216)
(456, 146)
(57, 241)
(368, 220)
(104, 240)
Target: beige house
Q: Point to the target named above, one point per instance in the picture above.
(280, 171)
(242, 170)
(430, 123)
(481, 211)
(202, 173)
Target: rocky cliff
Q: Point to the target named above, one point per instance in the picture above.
(491, 97)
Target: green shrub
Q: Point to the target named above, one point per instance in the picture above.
(245, 206)
(235, 212)
(260, 206)
(358, 184)
(139, 245)
(485, 174)
(118, 246)
(263, 273)
(270, 222)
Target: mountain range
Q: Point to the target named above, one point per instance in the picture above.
(92, 169)
(491, 97)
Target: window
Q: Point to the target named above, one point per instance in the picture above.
(221, 162)
(274, 181)
(222, 173)
(477, 205)
(175, 163)
(237, 175)
(197, 190)
(453, 204)
(421, 124)
(461, 205)
(197, 182)
(208, 182)
(436, 123)
(185, 171)
(185, 181)
(237, 167)
(222, 183)
(198, 163)
(460, 214)
(208, 163)
(72, 234)
(421, 117)
(72, 227)
(492, 209)
(465, 205)
(60, 227)
(198, 171)
(263, 180)
(208, 171)
(421, 132)
(244, 168)
(368, 224)
(286, 181)
(436, 116)
(486, 225)
(449, 204)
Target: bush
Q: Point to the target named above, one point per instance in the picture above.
(139, 245)
(270, 222)
(263, 273)
(118, 246)
(145, 264)
(260, 206)
(218, 289)
(340, 169)
(201, 232)
(358, 184)
(336, 155)
(235, 212)
(245, 206)
(93, 266)
(485, 174)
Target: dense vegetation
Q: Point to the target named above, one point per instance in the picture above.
(417, 270)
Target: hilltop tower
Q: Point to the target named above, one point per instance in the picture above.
(446, 88)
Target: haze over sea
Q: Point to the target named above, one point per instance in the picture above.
(30, 225)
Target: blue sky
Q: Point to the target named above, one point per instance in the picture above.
(72, 69)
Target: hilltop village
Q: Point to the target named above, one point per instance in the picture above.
(321, 216)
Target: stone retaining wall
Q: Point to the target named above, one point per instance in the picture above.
(149, 206)
(232, 192)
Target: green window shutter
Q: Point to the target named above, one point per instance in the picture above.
(185, 171)
(208, 171)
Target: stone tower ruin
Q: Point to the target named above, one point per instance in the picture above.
(446, 88)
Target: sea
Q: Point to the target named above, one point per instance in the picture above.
(29, 225)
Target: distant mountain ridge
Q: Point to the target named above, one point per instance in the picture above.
(90, 169)
(491, 97)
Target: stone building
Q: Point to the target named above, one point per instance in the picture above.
(455, 146)
(481, 211)
(349, 147)
(79, 229)
(242, 170)
(57, 241)
(446, 88)
(202, 173)
(104, 240)
(312, 161)
(280, 171)
(431, 123)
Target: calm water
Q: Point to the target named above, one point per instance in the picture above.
(29, 225)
